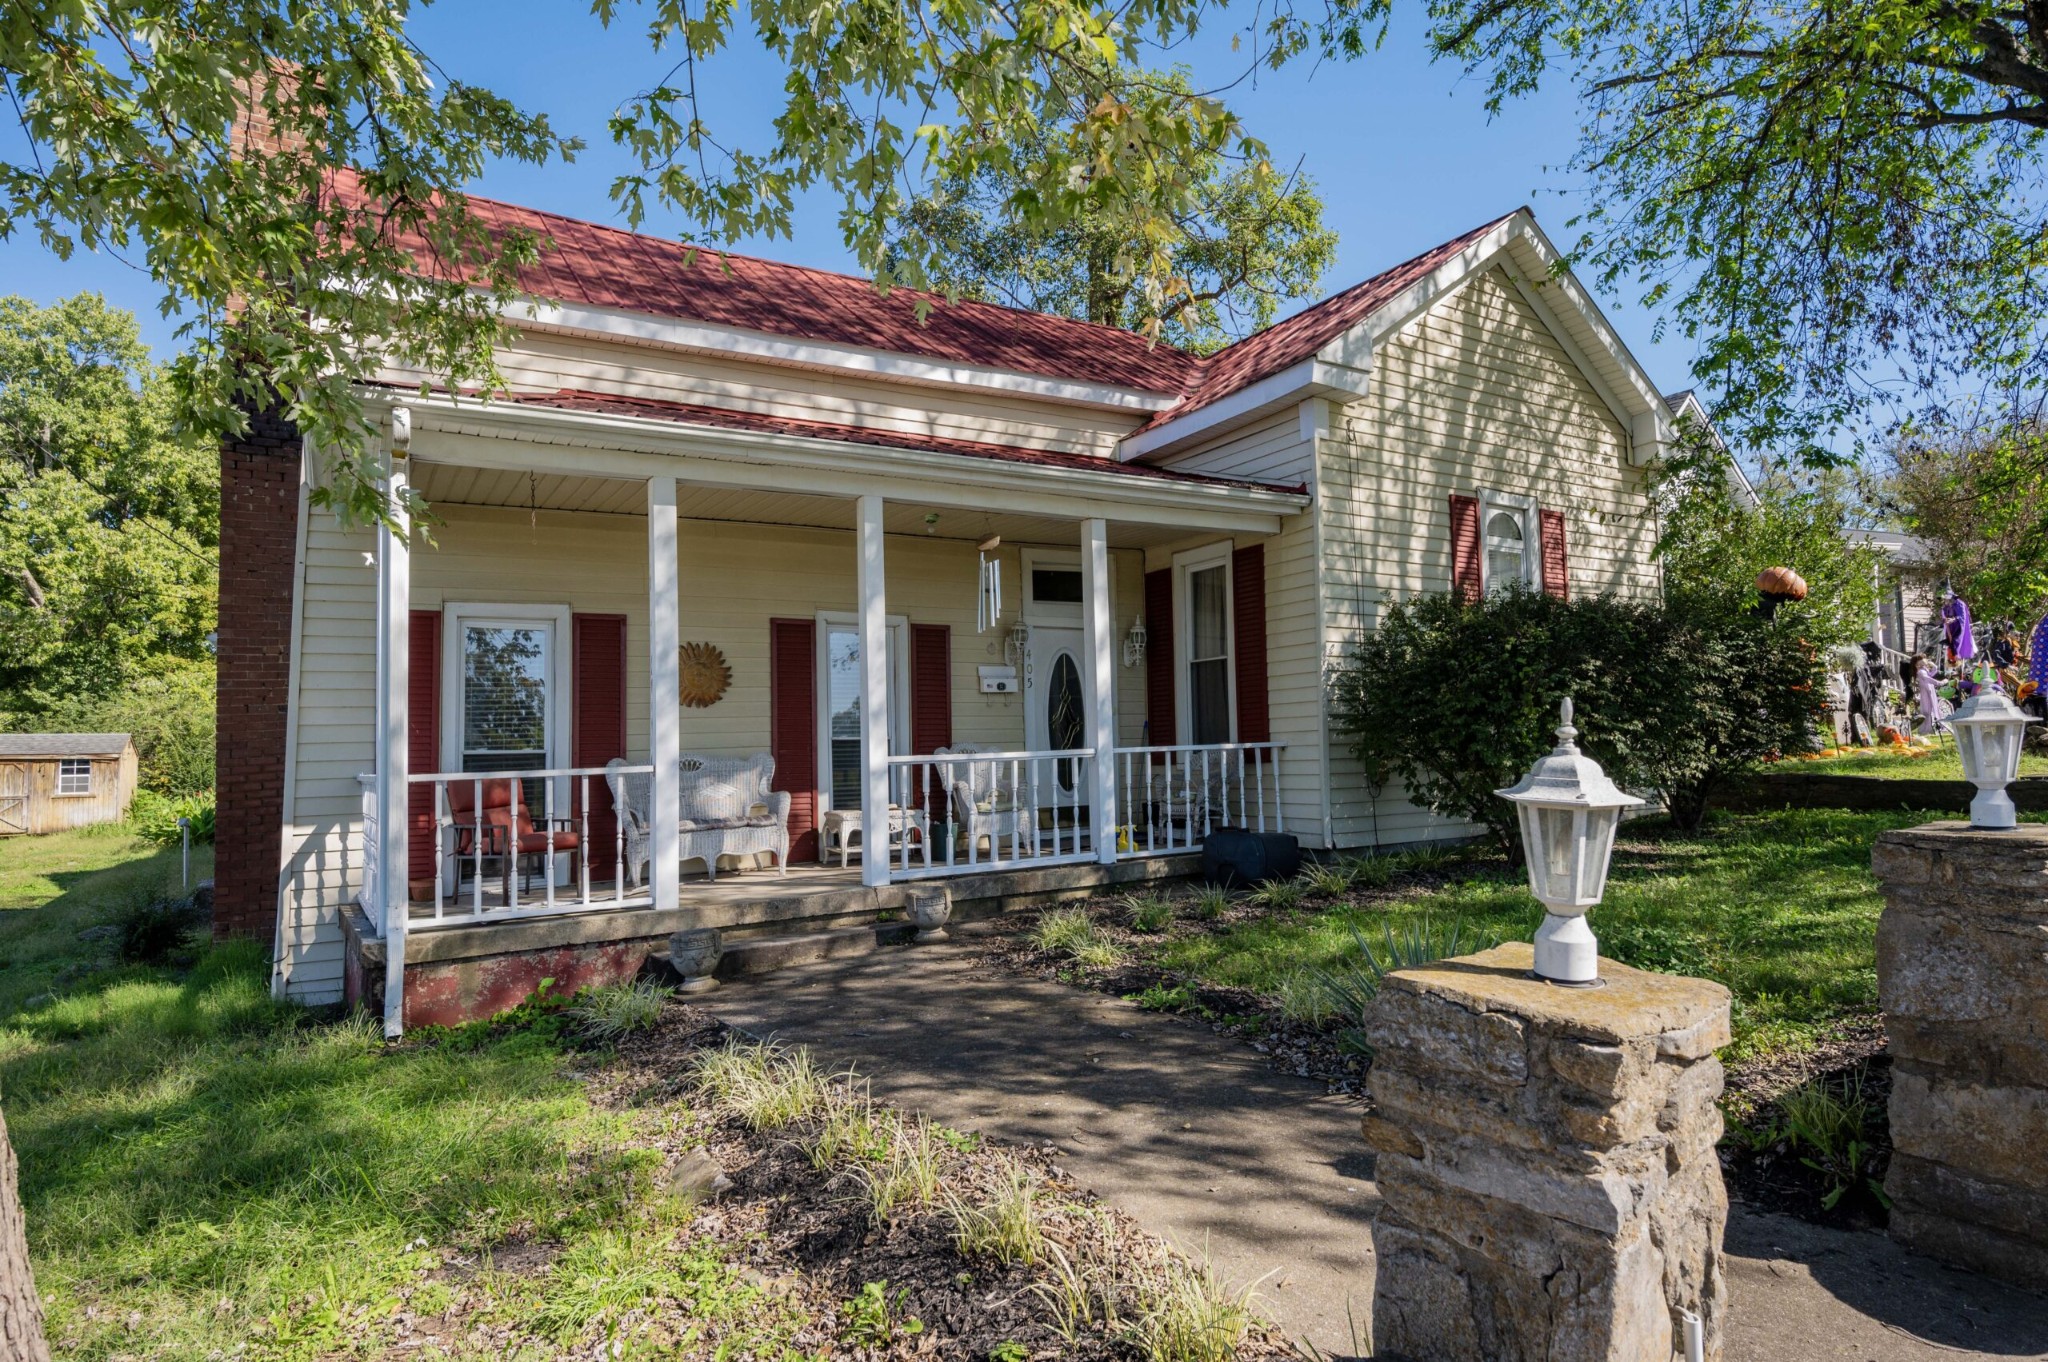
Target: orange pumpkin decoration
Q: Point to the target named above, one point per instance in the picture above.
(1781, 581)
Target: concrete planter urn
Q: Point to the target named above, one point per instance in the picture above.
(694, 953)
(929, 910)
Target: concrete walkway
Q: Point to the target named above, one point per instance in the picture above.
(1202, 1143)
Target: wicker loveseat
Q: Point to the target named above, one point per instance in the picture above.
(727, 809)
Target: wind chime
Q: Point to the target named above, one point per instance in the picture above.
(989, 599)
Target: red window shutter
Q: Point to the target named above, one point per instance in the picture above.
(931, 703)
(931, 687)
(793, 727)
(1556, 563)
(1160, 730)
(422, 738)
(1248, 642)
(1465, 567)
(597, 725)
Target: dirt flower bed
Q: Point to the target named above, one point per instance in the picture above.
(1808, 1135)
(776, 1212)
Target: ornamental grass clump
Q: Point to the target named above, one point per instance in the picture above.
(907, 1173)
(1146, 912)
(1189, 1314)
(1210, 902)
(1006, 1224)
(1063, 929)
(609, 1013)
(1279, 896)
(1353, 983)
(766, 1086)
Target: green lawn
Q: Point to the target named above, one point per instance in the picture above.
(1779, 906)
(1889, 763)
(209, 1173)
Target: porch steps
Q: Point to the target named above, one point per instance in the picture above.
(764, 954)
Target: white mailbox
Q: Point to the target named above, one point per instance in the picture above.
(998, 680)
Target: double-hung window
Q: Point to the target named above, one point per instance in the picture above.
(1508, 528)
(1203, 642)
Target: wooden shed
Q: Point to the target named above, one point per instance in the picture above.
(53, 781)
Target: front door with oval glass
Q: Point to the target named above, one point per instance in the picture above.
(1056, 698)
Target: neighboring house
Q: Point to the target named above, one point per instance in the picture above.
(1908, 608)
(53, 781)
(1688, 413)
(710, 465)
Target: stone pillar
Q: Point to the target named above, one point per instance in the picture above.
(1962, 975)
(1549, 1184)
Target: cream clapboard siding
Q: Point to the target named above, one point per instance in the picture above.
(1475, 394)
(1276, 450)
(547, 362)
(735, 578)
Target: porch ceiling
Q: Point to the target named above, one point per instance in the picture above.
(457, 485)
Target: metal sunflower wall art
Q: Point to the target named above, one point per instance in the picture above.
(705, 675)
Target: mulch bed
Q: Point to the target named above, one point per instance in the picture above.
(1773, 1175)
(807, 1239)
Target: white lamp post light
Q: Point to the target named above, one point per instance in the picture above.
(1989, 730)
(1569, 810)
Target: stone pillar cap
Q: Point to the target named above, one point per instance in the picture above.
(1687, 1017)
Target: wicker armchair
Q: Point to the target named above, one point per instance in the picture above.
(987, 803)
(727, 809)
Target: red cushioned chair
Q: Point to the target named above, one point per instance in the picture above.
(504, 825)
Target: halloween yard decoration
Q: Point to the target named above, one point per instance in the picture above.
(1778, 585)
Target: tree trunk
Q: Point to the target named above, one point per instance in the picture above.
(21, 1315)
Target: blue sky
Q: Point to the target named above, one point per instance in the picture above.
(1402, 149)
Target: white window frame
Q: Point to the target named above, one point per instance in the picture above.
(899, 692)
(1056, 613)
(1185, 562)
(1492, 503)
(62, 776)
(561, 703)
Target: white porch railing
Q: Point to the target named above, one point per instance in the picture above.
(1027, 808)
(1169, 798)
(371, 895)
(483, 821)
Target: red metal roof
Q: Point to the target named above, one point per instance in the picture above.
(728, 418)
(594, 265)
(1287, 343)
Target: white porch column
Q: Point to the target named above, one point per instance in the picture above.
(874, 698)
(664, 690)
(394, 672)
(1100, 645)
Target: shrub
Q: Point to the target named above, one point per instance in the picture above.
(154, 928)
(155, 817)
(608, 1013)
(1455, 700)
